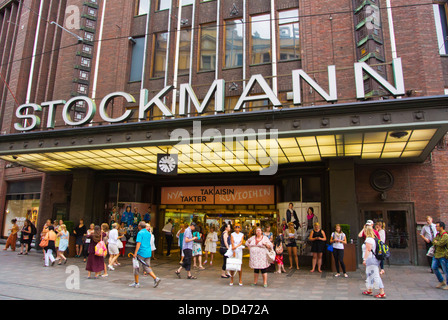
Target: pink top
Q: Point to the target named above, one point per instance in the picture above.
(258, 252)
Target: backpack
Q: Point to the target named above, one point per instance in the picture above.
(382, 251)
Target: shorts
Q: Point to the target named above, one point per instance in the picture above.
(146, 269)
(113, 249)
(263, 271)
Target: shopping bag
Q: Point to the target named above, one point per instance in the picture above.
(430, 252)
(233, 264)
(135, 263)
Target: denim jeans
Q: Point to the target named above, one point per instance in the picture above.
(440, 262)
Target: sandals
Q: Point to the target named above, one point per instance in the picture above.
(177, 274)
(367, 293)
(191, 278)
(381, 296)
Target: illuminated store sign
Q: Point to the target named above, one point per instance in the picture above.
(29, 112)
(219, 195)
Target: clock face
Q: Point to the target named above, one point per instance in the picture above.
(167, 164)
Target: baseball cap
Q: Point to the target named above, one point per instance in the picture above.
(369, 223)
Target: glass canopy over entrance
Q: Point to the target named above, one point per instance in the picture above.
(239, 156)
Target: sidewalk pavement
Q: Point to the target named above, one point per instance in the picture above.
(24, 277)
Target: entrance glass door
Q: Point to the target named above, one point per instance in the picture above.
(399, 223)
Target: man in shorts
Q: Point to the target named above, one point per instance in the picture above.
(143, 254)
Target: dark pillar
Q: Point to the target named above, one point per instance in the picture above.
(83, 193)
(343, 203)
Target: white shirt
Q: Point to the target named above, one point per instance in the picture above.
(113, 236)
(426, 231)
(338, 236)
(373, 243)
(168, 228)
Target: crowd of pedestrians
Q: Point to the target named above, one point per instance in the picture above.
(264, 247)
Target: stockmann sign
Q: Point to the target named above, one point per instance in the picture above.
(30, 111)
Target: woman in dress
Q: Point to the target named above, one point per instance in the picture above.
(338, 239)
(197, 250)
(318, 238)
(94, 263)
(25, 236)
(278, 247)
(50, 248)
(236, 241)
(210, 244)
(63, 236)
(225, 245)
(79, 233)
(87, 241)
(12, 238)
(373, 278)
(290, 236)
(259, 246)
(58, 229)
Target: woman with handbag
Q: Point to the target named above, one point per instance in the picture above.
(225, 245)
(278, 246)
(259, 246)
(197, 250)
(95, 263)
(48, 243)
(210, 244)
(236, 240)
(24, 238)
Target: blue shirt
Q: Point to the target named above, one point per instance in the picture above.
(189, 235)
(144, 237)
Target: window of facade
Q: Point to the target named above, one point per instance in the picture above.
(22, 203)
(289, 40)
(159, 57)
(137, 59)
(163, 4)
(440, 15)
(187, 2)
(260, 39)
(142, 7)
(87, 49)
(85, 62)
(233, 43)
(207, 53)
(184, 51)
